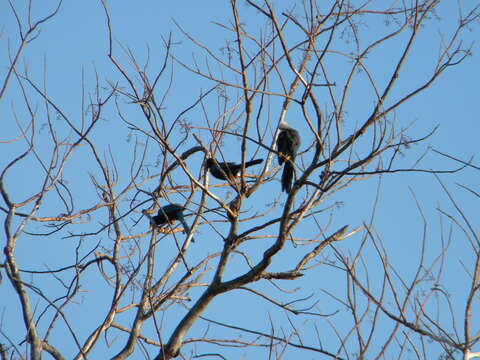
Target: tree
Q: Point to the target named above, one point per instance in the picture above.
(338, 73)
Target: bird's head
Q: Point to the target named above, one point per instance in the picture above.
(209, 163)
(148, 215)
(283, 125)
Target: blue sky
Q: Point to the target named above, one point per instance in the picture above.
(74, 46)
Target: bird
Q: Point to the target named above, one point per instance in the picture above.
(230, 169)
(288, 142)
(168, 214)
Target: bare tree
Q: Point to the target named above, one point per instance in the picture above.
(300, 63)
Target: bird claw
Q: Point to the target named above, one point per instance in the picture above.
(169, 229)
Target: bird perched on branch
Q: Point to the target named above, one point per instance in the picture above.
(230, 169)
(168, 215)
(288, 142)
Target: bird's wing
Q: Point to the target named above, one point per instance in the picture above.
(295, 138)
(172, 208)
(226, 169)
(282, 142)
(229, 167)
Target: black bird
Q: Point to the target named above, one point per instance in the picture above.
(168, 214)
(229, 169)
(288, 142)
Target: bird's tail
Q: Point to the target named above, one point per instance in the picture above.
(253, 162)
(186, 228)
(287, 176)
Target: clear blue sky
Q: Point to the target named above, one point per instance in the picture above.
(74, 44)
